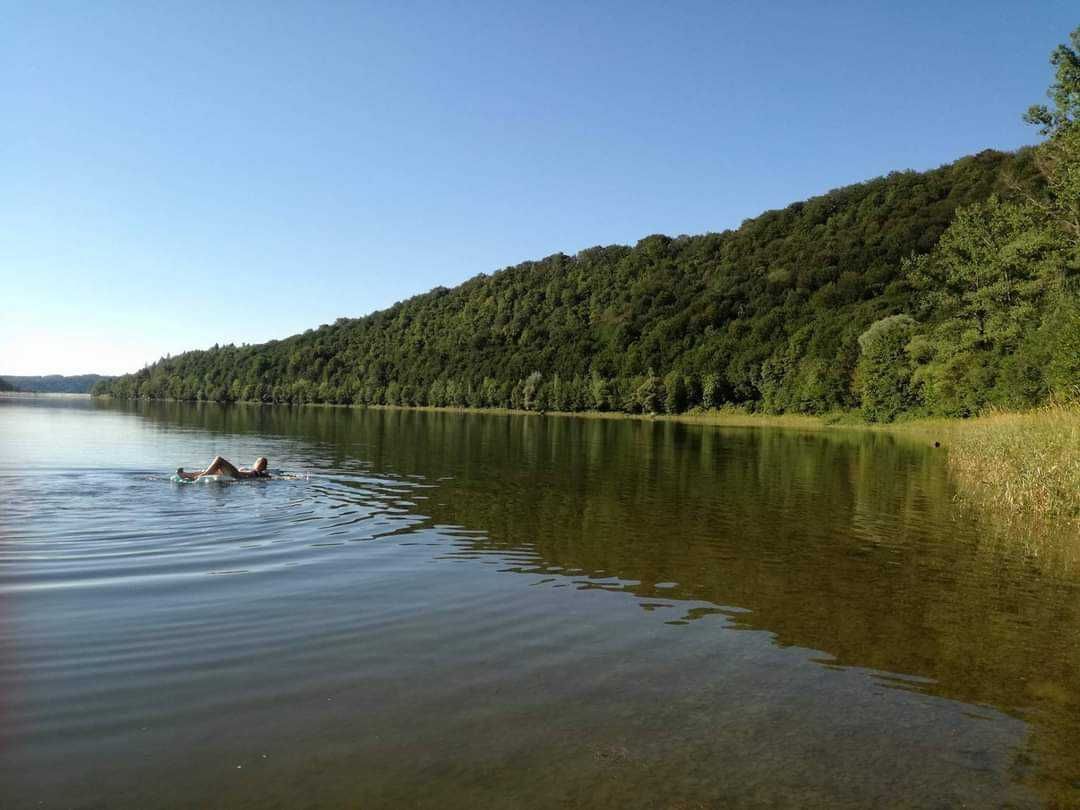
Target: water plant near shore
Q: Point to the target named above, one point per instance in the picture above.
(1025, 465)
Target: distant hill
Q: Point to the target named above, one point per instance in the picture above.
(768, 316)
(940, 292)
(51, 383)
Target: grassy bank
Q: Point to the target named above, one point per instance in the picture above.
(1022, 464)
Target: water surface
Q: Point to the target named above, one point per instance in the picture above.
(452, 610)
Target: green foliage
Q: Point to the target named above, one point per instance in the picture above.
(600, 395)
(712, 396)
(1056, 347)
(1064, 92)
(1058, 160)
(533, 397)
(53, 383)
(947, 291)
(984, 292)
(883, 374)
(998, 294)
(650, 396)
(677, 390)
(766, 316)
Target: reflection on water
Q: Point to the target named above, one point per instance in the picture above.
(464, 610)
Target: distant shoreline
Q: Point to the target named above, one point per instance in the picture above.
(51, 383)
(39, 394)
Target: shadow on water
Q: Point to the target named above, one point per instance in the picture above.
(849, 544)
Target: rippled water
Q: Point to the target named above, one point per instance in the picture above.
(448, 610)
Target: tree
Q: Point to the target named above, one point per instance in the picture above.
(767, 316)
(678, 393)
(650, 394)
(711, 396)
(1059, 158)
(599, 394)
(984, 290)
(1064, 92)
(883, 375)
(990, 269)
(530, 391)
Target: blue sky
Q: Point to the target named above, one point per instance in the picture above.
(174, 175)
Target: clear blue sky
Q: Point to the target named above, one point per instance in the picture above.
(174, 175)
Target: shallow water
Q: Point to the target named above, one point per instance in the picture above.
(450, 610)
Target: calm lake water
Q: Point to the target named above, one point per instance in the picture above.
(450, 610)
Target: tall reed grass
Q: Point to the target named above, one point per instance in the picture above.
(1026, 464)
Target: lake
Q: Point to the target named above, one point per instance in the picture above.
(480, 610)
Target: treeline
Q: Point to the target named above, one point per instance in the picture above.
(939, 292)
(53, 383)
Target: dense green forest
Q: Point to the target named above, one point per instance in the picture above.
(940, 292)
(54, 383)
(6, 386)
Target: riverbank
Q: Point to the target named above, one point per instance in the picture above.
(1020, 464)
(42, 395)
(727, 417)
(1023, 465)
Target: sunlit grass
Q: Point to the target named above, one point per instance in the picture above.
(1020, 463)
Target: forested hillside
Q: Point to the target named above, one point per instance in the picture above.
(55, 383)
(943, 292)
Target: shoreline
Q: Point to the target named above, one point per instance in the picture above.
(52, 394)
(1023, 464)
(723, 417)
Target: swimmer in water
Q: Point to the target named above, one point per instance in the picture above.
(222, 466)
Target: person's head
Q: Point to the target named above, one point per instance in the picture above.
(260, 464)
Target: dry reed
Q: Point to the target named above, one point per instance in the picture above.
(1026, 464)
